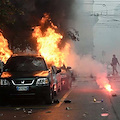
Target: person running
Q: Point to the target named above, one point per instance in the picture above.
(114, 64)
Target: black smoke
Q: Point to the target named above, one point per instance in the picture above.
(19, 33)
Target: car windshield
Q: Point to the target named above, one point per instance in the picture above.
(25, 63)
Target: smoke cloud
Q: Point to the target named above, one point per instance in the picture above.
(19, 33)
(85, 65)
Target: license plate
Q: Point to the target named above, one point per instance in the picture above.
(22, 88)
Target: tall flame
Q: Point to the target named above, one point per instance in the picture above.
(48, 41)
(5, 52)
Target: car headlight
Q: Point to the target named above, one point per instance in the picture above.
(4, 82)
(42, 81)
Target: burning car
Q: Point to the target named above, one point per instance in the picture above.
(66, 77)
(26, 76)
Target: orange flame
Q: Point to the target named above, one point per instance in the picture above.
(103, 82)
(47, 43)
(5, 52)
(108, 87)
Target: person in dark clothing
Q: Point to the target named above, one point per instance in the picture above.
(114, 64)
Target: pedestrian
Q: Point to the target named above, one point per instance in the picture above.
(114, 64)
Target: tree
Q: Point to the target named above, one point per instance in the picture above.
(7, 13)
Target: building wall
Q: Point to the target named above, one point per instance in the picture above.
(84, 23)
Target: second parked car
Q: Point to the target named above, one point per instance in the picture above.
(66, 77)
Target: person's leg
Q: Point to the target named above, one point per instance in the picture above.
(115, 69)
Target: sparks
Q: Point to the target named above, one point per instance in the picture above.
(108, 87)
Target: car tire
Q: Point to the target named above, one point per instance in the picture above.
(50, 97)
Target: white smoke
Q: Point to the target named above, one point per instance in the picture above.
(86, 66)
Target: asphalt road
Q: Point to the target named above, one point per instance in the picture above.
(88, 102)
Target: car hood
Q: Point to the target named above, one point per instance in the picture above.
(25, 74)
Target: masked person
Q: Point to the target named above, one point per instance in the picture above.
(114, 64)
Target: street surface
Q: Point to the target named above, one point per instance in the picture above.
(88, 102)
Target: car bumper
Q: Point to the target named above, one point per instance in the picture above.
(33, 92)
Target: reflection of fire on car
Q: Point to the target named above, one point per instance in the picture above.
(57, 79)
(26, 77)
(66, 77)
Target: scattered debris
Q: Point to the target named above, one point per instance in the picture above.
(67, 101)
(104, 114)
(84, 115)
(68, 115)
(94, 100)
(102, 108)
(91, 76)
(48, 112)
(102, 100)
(17, 108)
(24, 110)
(29, 111)
(114, 95)
(68, 108)
(56, 101)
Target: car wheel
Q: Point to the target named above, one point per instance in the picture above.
(50, 97)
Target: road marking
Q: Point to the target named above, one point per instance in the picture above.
(63, 98)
